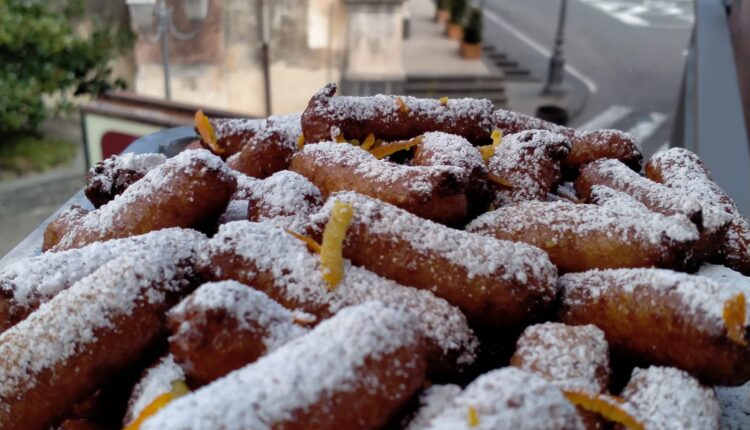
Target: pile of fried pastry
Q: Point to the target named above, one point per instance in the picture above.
(385, 262)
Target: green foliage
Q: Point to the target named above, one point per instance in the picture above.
(25, 152)
(458, 9)
(473, 26)
(43, 55)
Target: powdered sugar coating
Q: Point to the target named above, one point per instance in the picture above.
(724, 275)
(304, 373)
(66, 325)
(666, 398)
(698, 299)
(297, 278)
(156, 381)
(683, 171)
(252, 310)
(445, 149)
(102, 220)
(599, 140)
(432, 402)
(105, 173)
(285, 198)
(510, 398)
(735, 407)
(37, 279)
(529, 162)
(618, 176)
(570, 357)
(676, 227)
(236, 126)
(478, 255)
(291, 123)
(381, 174)
(510, 122)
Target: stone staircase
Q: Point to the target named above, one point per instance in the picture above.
(512, 70)
(491, 87)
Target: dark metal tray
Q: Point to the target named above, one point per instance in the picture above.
(168, 142)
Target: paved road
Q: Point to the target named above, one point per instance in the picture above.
(628, 54)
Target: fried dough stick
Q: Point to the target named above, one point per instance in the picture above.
(495, 283)
(223, 326)
(393, 118)
(665, 318)
(188, 190)
(28, 283)
(273, 261)
(72, 344)
(353, 371)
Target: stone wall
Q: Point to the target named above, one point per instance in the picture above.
(221, 67)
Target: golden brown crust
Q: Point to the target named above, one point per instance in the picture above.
(392, 118)
(594, 145)
(187, 193)
(232, 134)
(61, 225)
(437, 194)
(649, 320)
(580, 237)
(510, 122)
(267, 152)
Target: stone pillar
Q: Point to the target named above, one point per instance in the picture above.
(374, 52)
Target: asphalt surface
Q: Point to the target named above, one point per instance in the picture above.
(627, 55)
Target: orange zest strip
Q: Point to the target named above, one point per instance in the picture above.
(402, 107)
(498, 180)
(340, 138)
(312, 245)
(331, 250)
(206, 131)
(444, 101)
(301, 141)
(608, 407)
(387, 149)
(368, 142)
(488, 151)
(473, 417)
(179, 389)
(734, 319)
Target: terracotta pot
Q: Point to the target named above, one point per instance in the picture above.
(442, 16)
(454, 31)
(471, 51)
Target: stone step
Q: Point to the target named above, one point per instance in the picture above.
(454, 78)
(455, 86)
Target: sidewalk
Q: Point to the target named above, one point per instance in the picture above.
(428, 52)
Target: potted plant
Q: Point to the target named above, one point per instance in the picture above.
(471, 46)
(443, 11)
(454, 29)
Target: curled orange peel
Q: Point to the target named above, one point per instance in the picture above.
(444, 101)
(387, 149)
(207, 132)
(301, 141)
(608, 407)
(488, 151)
(312, 245)
(368, 142)
(402, 107)
(473, 417)
(179, 389)
(498, 180)
(340, 138)
(734, 319)
(331, 250)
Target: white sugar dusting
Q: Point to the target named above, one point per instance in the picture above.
(509, 398)
(156, 381)
(250, 309)
(570, 357)
(64, 326)
(432, 402)
(665, 398)
(478, 255)
(302, 374)
(285, 198)
(106, 172)
(451, 150)
(735, 407)
(37, 279)
(698, 299)
(297, 277)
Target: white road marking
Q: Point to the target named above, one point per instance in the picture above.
(647, 13)
(644, 129)
(606, 118)
(538, 47)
